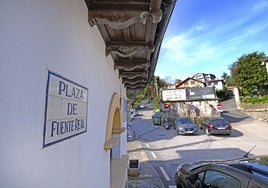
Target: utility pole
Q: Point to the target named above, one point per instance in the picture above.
(156, 86)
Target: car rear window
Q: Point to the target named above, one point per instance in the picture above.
(218, 122)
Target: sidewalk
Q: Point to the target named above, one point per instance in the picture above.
(148, 177)
(259, 116)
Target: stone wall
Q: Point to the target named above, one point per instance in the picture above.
(254, 107)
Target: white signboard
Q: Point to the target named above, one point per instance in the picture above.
(66, 109)
(174, 95)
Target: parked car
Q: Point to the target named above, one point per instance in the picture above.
(216, 125)
(185, 125)
(240, 173)
(131, 135)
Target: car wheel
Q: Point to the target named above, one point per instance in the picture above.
(207, 132)
(177, 131)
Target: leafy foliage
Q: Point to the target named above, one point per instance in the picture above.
(227, 78)
(150, 92)
(249, 74)
(264, 160)
(255, 99)
(221, 94)
(156, 103)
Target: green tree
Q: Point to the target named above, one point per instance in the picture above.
(249, 74)
(162, 83)
(221, 94)
(227, 79)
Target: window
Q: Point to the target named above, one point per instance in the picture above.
(215, 179)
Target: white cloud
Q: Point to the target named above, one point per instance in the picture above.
(261, 5)
(212, 45)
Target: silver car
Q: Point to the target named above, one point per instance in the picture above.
(185, 125)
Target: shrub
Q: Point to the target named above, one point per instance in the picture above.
(221, 94)
(156, 103)
(255, 99)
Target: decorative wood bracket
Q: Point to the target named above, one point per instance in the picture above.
(137, 86)
(133, 75)
(127, 50)
(119, 19)
(130, 65)
(134, 81)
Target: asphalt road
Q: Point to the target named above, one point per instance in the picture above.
(165, 150)
(231, 113)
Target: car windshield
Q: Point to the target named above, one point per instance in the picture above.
(185, 121)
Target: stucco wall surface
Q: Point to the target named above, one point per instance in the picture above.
(37, 37)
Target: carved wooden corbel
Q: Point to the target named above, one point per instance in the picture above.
(133, 75)
(134, 81)
(127, 50)
(121, 51)
(119, 19)
(130, 65)
(129, 86)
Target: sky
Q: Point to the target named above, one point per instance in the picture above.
(207, 36)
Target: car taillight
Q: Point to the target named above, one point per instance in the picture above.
(210, 126)
(229, 127)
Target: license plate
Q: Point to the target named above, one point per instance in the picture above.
(221, 127)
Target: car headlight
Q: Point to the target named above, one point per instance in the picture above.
(181, 129)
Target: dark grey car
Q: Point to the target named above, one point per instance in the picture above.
(185, 125)
(216, 125)
(222, 174)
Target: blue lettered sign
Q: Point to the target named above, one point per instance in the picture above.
(65, 111)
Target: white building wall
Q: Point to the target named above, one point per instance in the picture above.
(37, 36)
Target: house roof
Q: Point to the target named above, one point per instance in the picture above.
(189, 78)
(133, 31)
(216, 80)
